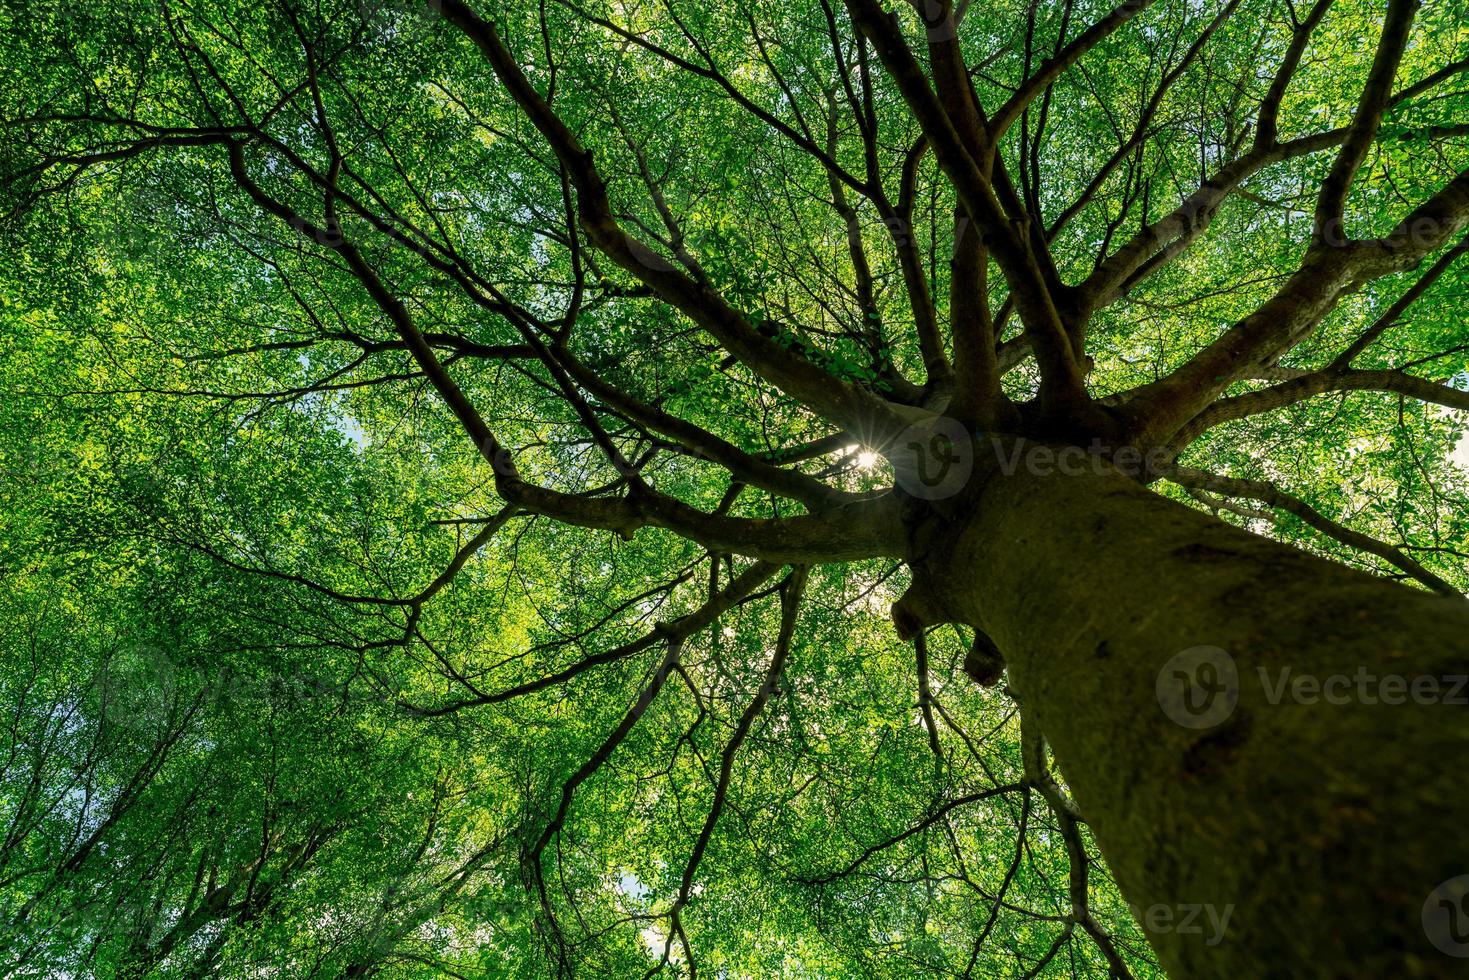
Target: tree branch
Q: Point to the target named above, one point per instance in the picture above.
(1317, 383)
(1268, 493)
(1051, 68)
(1327, 273)
(857, 410)
(1376, 96)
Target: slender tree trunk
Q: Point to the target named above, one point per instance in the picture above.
(1318, 816)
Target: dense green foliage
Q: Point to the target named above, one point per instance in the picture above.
(248, 724)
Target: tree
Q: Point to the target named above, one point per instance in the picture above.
(461, 463)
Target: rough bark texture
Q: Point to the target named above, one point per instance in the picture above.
(1326, 826)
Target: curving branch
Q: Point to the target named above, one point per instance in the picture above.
(1395, 312)
(856, 409)
(1267, 120)
(1376, 96)
(739, 591)
(790, 606)
(1317, 383)
(1062, 386)
(1324, 277)
(1145, 122)
(1052, 68)
(1268, 493)
(1068, 822)
(937, 814)
(866, 528)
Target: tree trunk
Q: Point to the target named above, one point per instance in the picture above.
(1320, 821)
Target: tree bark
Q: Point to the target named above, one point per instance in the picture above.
(1321, 828)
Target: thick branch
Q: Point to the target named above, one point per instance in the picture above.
(1062, 385)
(1317, 383)
(838, 401)
(1376, 96)
(1267, 119)
(850, 530)
(1395, 312)
(1156, 243)
(1325, 275)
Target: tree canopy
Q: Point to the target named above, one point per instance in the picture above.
(454, 482)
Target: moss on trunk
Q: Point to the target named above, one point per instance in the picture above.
(1323, 822)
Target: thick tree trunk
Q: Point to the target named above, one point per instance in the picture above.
(1320, 819)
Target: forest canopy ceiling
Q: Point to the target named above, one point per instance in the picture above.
(460, 461)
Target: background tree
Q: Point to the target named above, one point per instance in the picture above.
(465, 465)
